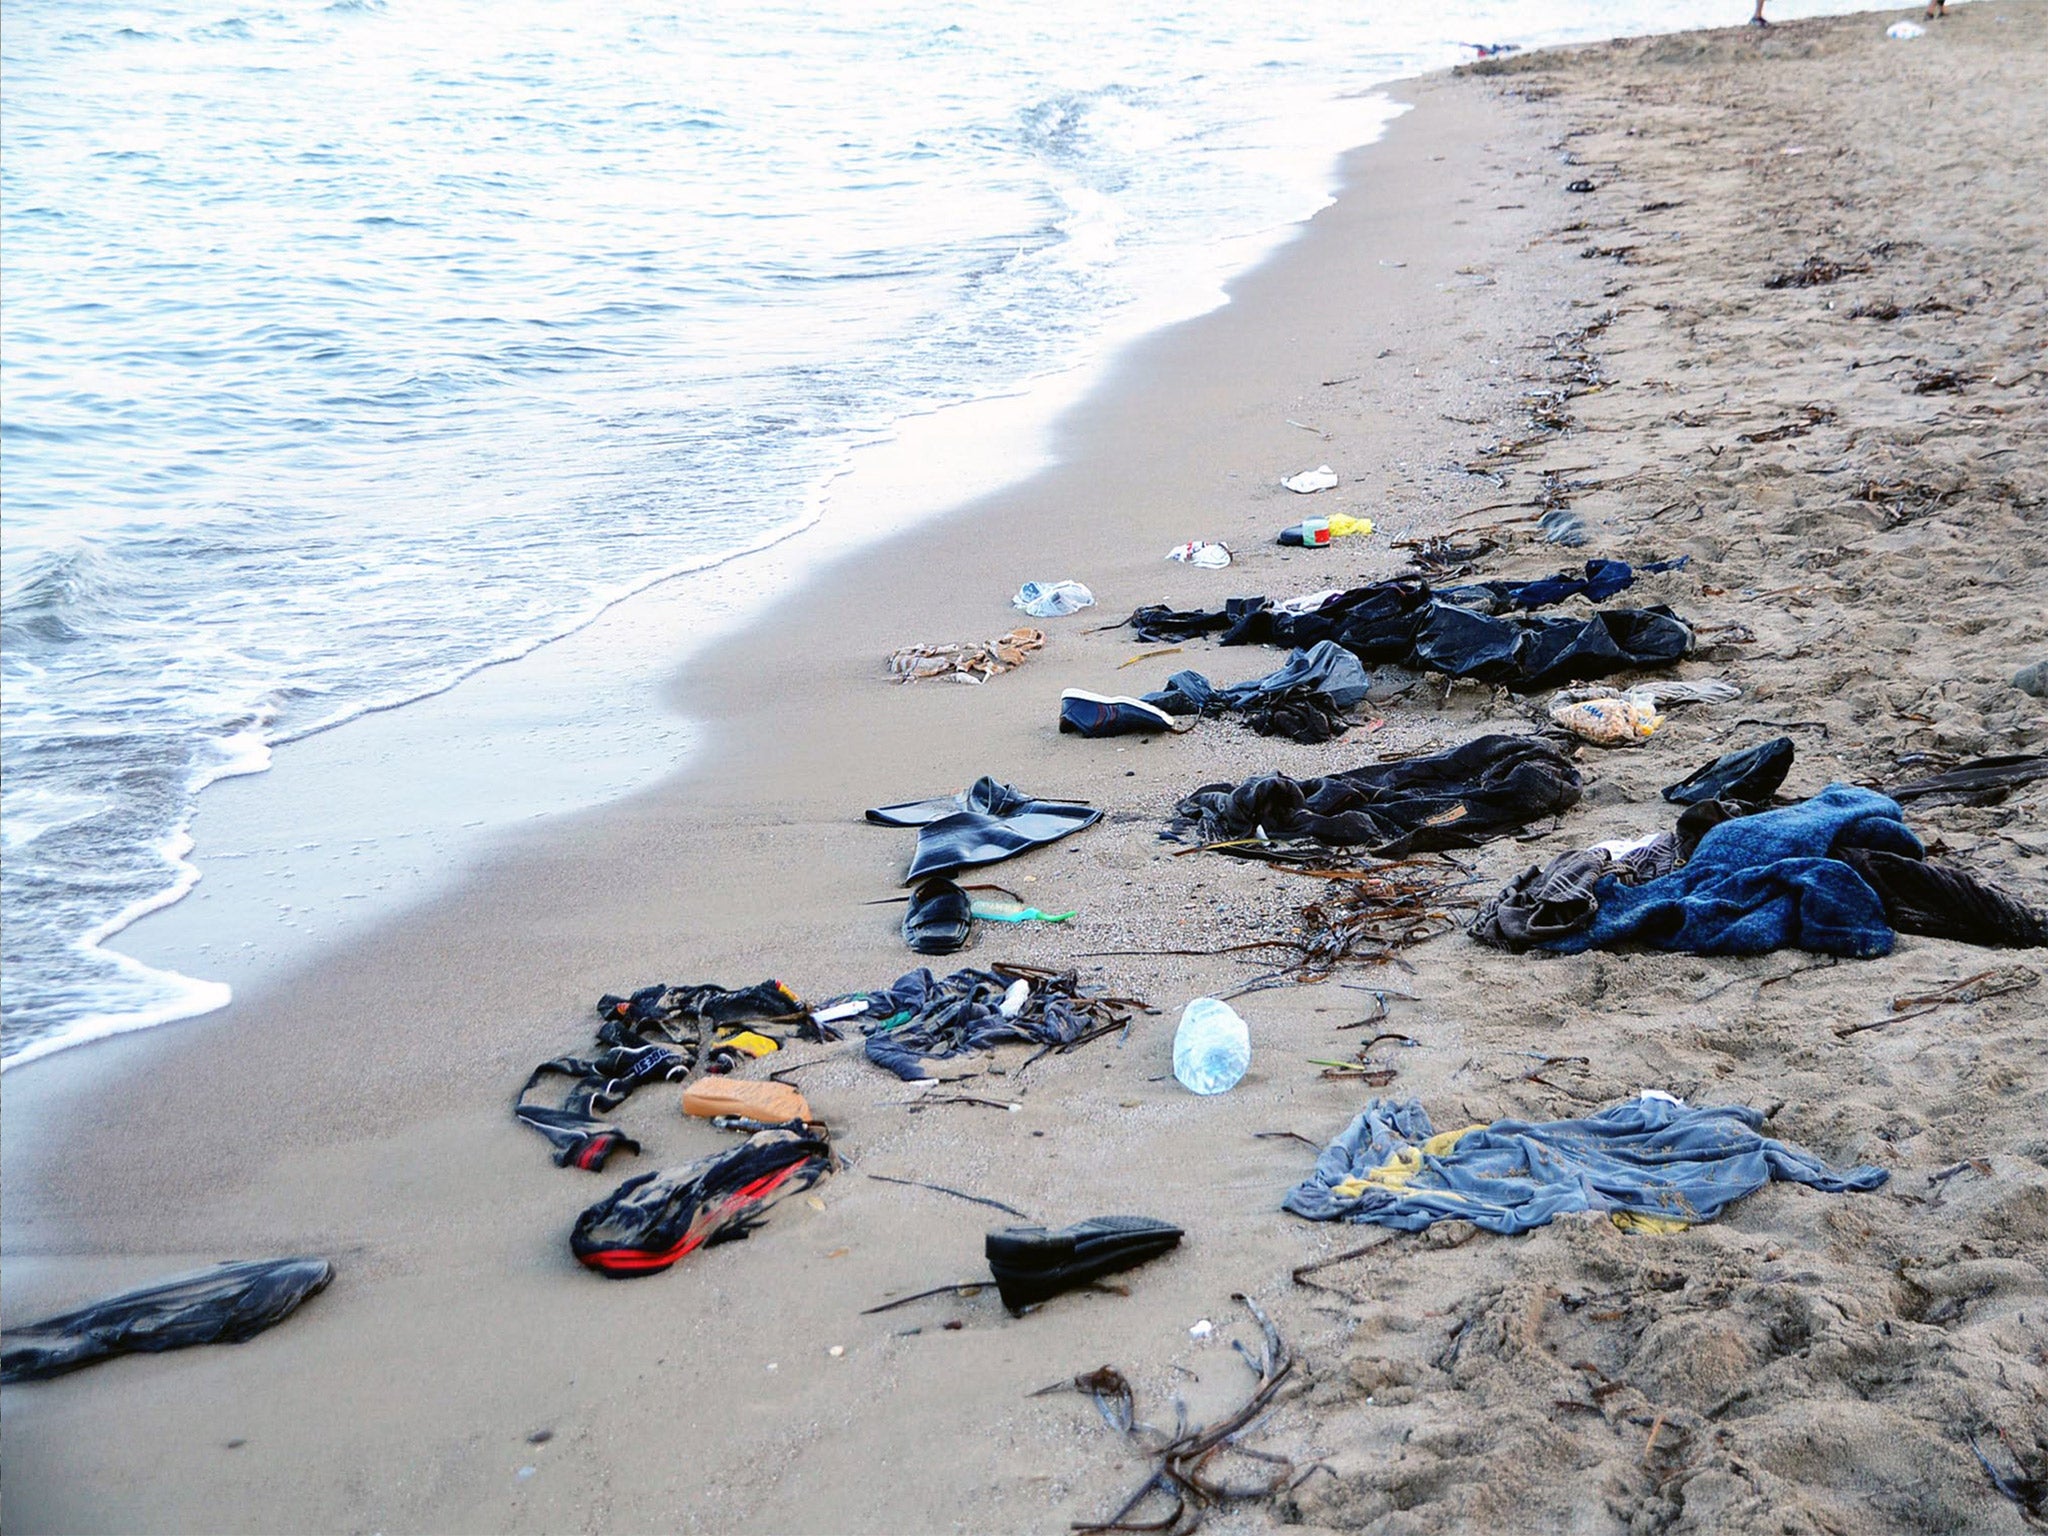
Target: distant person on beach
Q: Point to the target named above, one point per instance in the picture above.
(1935, 8)
(1757, 18)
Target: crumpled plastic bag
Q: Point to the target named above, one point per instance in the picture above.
(1309, 481)
(1052, 599)
(1615, 722)
(1211, 557)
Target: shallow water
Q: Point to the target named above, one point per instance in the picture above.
(352, 348)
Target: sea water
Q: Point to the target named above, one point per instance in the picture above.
(351, 348)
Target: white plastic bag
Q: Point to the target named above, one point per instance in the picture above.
(1309, 481)
(1052, 599)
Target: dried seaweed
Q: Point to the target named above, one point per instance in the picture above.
(1182, 1472)
(1813, 272)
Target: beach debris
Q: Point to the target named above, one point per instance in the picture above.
(1751, 775)
(957, 1288)
(1309, 481)
(1996, 982)
(768, 1103)
(658, 1034)
(1609, 722)
(223, 1305)
(1904, 31)
(1033, 1264)
(1813, 272)
(1094, 715)
(1456, 798)
(1581, 185)
(1008, 907)
(1309, 533)
(655, 1219)
(958, 1194)
(1210, 557)
(921, 1016)
(1653, 1163)
(1211, 1047)
(1052, 599)
(986, 823)
(971, 662)
(1201, 1330)
(1492, 50)
(938, 919)
(1183, 1463)
(1981, 781)
(2027, 1488)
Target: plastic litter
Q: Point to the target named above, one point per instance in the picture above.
(1202, 1329)
(1052, 599)
(1211, 1048)
(1309, 481)
(1309, 533)
(1616, 722)
(1210, 557)
(771, 1103)
(1904, 31)
(222, 1305)
(1343, 527)
(1563, 526)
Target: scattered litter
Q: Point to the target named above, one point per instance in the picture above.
(1310, 533)
(1493, 50)
(1210, 557)
(659, 1034)
(836, 1351)
(1309, 481)
(1202, 1329)
(958, 1194)
(1404, 622)
(222, 1305)
(1985, 781)
(1052, 599)
(1654, 1164)
(1751, 775)
(1563, 526)
(1211, 1047)
(1033, 1265)
(1613, 722)
(922, 1017)
(1581, 185)
(1904, 31)
(966, 662)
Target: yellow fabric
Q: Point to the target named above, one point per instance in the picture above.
(1342, 526)
(1635, 1221)
(753, 1044)
(1398, 1171)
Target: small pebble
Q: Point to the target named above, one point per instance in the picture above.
(836, 1351)
(540, 1437)
(236, 1445)
(2032, 679)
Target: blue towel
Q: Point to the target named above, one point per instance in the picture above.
(1764, 882)
(1651, 1157)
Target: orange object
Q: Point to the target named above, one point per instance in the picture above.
(771, 1103)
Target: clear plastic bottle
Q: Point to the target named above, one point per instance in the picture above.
(1212, 1048)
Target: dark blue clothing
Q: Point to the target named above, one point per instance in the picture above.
(1764, 882)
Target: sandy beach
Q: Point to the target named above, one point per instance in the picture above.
(1853, 459)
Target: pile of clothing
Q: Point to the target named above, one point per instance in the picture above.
(1837, 874)
(1654, 1164)
(1480, 631)
(921, 1016)
(1456, 798)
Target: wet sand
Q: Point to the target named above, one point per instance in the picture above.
(1856, 468)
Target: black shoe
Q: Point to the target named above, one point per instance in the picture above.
(939, 918)
(1033, 1265)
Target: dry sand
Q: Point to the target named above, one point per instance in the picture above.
(1808, 1363)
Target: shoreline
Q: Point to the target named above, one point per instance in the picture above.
(360, 1109)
